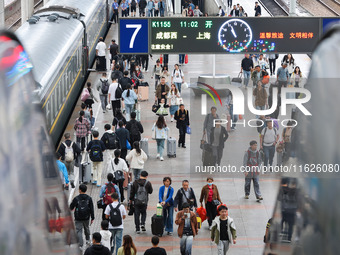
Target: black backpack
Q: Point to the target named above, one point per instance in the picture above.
(142, 194)
(115, 216)
(111, 142)
(133, 3)
(105, 86)
(124, 82)
(83, 210)
(96, 153)
(119, 92)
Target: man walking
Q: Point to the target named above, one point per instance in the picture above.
(84, 210)
(187, 228)
(123, 136)
(257, 10)
(155, 250)
(69, 152)
(209, 122)
(182, 118)
(96, 148)
(247, 66)
(103, 88)
(282, 76)
(140, 191)
(268, 140)
(223, 231)
(185, 195)
(97, 247)
(111, 143)
(116, 214)
(252, 163)
(135, 128)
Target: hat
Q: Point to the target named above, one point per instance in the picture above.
(144, 174)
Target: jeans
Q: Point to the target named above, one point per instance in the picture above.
(80, 224)
(181, 58)
(260, 108)
(160, 146)
(230, 3)
(161, 12)
(115, 16)
(156, 12)
(128, 110)
(255, 178)
(182, 131)
(150, 13)
(115, 106)
(136, 173)
(272, 65)
(168, 214)
(140, 210)
(178, 86)
(217, 152)
(289, 218)
(222, 247)
(281, 84)
(141, 12)
(103, 100)
(116, 238)
(269, 152)
(186, 244)
(70, 168)
(211, 212)
(97, 172)
(233, 117)
(246, 75)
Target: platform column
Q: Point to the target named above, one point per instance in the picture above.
(2, 13)
(27, 8)
(292, 8)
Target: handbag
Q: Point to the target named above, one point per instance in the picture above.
(188, 130)
(216, 202)
(119, 176)
(179, 101)
(128, 145)
(155, 107)
(100, 204)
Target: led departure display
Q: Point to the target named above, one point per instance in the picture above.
(233, 35)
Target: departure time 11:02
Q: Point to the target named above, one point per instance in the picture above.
(189, 24)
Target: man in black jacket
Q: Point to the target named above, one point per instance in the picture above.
(140, 206)
(69, 146)
(123, 135)
(218, 136)
(185, 195)
(182, 118)
(142, 5)
(135, 128)
(97, 248)
(125, 81)
(83, 206)
(257, 9)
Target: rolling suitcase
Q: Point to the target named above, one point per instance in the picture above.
(129, 187)
(157, 225)
(85, 171)
(237, 80)
(143, 93)
(171, 147)
(144, 145)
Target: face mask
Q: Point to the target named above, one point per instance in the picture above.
(210, 183)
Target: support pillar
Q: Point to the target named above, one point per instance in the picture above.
(27, 8)
(2, 13)
(292, 8)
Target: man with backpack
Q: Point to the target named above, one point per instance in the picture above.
(113, 48)
(268, 140)
(103, 88)
(125, 81)
(116, 213)
(111, 143)
(221, 12)
(135, 128)
(115, 94)
(252, 163)
(107, 191)
(95, 148)
(117, 73)
(69, 152)
(124, 137)
(185, 195)
(84, 210)
(140, 191)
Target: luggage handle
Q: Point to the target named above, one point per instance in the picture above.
(239, 75)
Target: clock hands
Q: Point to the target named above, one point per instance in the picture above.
(233, 31)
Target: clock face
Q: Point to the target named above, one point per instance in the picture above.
(235, 35)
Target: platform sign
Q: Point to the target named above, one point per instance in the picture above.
(327, 23)
(234, 35)
(133, 36)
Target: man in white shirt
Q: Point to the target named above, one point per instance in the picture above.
(177, 77)
(116, 217)
(100, 53)
(116, 105)
(268, 140)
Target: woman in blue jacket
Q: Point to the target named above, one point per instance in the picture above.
(166, 193)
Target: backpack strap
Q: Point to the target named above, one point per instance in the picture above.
(119, 204)
(248, 157)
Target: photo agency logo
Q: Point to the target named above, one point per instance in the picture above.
(238, 99)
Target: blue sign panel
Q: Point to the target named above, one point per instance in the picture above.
(133, 36)
(328, 22)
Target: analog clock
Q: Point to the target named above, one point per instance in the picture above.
(235, 35)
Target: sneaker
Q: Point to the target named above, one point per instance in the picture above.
(161, 158)
(138, 232)
(233, 128)
(179, 145)
(183, 145)
(246, 197)
(88, 243)
(146, 70)
(260, 198)
(169, 233)
(172, 119)
(143, 228)
(210, 227)
(158, 155)
(104, 111)
(72, 184)
(66, 187)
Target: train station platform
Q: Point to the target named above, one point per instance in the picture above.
(250, 216)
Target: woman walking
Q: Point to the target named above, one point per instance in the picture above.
(128, 247)
(129, 97)
(173, 95)
(82, 128)
(160, 130)
(165, 194)
(118, 166)
(137, 158)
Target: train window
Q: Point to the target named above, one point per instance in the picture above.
(54, 103)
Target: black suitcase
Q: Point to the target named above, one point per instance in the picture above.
(237, 79)
(157, 225)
